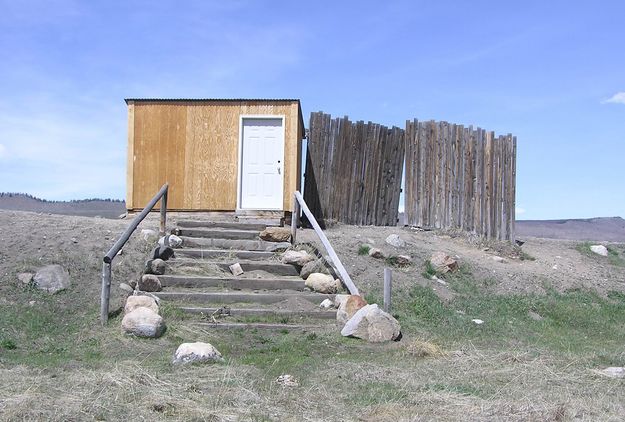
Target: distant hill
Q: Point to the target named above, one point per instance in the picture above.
(107, 208)
(610, 229)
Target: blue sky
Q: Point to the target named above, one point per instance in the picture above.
(552, 73)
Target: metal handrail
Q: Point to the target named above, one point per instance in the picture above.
(299, 202)
(112, 253)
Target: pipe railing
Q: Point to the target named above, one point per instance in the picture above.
(335, 261)
(112, 253)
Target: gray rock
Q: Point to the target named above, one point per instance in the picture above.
(157, 266)
(599, 250)
(402, 260)
(149, 283)
(297, 257)
(313, 267)
(443, 263)
(276, 234)
(196, 353)
(162, 252)
(134, 302)
(395, 240)
(170, 240)
(126, 287)
(326, 304)
(143, 322)
(52, 279)
(321, 283)
(499, 259)
(372, 324)
(376, 253)
(25, 278)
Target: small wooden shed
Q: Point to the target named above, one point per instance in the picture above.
(217, 154)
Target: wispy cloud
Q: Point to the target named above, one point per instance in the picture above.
(3, 151)
(618, 98)
(519, 210)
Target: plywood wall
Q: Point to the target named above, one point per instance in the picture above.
(195, 147)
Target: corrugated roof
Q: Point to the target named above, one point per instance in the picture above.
(208, 99)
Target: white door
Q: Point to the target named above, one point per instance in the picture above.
(262, 163)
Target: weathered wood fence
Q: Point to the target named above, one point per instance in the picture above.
(353, 171)
(459, 177)
(455, 177)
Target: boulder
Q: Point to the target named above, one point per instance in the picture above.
(143, 322)
(170, 240)
(157, 266)
(402, 260)
(276, 234)
(376, 253)
(443, 263)
(313, 267)
(347, 306)
(149, 283)
(134, 302)
(326, 304)
(372, 324)
(52, 278)
(162, 252)
(297, 257)
(149, 234)
(321, 283)
(25, 278)
(599, 250)
(196, 353)
(395, 240)
(125, 287)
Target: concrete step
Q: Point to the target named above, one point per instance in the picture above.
(227, 254)
(247, 245)
(182, 224)
(219, 233)
(232, 282)
(240, 297)
(271, 267)
(263, 312)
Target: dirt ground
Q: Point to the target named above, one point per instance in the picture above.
(557, 263)
(58, 363)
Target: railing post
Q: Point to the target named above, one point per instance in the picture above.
(106, 292)
(294, 219)
(388, 281)
(163, 228)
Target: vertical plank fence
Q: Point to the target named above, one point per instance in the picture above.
(459, 177)
(353, 171)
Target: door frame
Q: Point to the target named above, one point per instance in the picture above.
(242, 117)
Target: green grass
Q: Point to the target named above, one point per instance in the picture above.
(429, 270)
(364, 249)
(616, 254)
(577, 322)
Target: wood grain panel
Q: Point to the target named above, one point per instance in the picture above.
(194, 145)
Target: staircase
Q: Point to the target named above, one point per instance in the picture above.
(269, 294)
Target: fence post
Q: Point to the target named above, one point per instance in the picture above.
(106, 292)
(388, 281)
(163, 228)
(294, 219)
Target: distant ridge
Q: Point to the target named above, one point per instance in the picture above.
(92, 207)
(608, 229)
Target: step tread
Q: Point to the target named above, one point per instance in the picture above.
(243, 312)
(219, 233)
(248, 266)
(224, 224)
(202, 253)
(256, 325)
(241, 296)
(232, 282)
